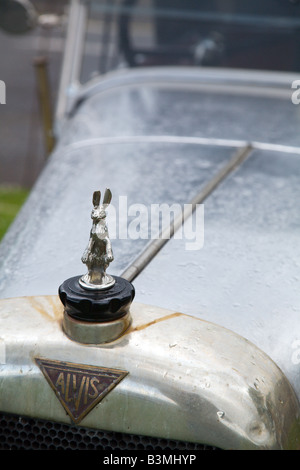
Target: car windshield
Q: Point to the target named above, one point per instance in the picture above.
(256, 34)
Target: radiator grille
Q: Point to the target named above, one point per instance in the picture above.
(22, 433)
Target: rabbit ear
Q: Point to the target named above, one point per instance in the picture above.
(107, 197)
(96, 198)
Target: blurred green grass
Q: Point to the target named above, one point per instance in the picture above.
(11, 200)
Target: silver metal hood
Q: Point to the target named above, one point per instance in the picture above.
(178, 136)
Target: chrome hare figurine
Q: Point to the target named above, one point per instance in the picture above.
(98, 254)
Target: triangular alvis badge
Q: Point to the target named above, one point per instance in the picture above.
(79, 387)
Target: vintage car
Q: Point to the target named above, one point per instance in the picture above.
(183, 330)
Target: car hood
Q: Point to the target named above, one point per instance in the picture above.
(174, 136)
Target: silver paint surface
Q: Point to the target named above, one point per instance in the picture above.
(156, 142)
(51, 231)
(246, 276)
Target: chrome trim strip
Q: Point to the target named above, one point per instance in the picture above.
(270, 82)
(276, 147)
(173, 139)
(169, 139)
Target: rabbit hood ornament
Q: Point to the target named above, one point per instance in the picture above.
(96, 305)
(98, 253)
